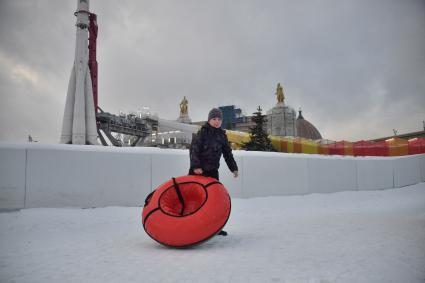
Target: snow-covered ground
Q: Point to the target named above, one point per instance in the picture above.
(362, 236)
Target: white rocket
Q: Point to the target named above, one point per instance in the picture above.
(79, 119)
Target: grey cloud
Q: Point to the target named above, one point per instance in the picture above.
(357, 68)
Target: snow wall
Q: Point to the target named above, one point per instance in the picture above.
(37, 175)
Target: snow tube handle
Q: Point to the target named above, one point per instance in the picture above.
(179, 194)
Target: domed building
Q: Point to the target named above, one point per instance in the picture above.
(305, 129)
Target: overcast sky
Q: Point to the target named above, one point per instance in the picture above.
(356, 68)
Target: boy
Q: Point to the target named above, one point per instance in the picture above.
(207, 147)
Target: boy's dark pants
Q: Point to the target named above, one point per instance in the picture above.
(211, 173)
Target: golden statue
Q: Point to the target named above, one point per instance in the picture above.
(183, 106)
(279, 93)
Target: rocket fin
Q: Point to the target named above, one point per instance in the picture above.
(68, 115)
(79, 124)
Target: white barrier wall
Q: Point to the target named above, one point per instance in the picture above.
(407, 171)
(422, 166)
(58, 177)
(374, 174)
(234, 185)
(329, 175)
(168, 163)
(36, 175)
(273, 174)
(12, 177)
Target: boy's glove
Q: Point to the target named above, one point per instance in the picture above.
(236, 174)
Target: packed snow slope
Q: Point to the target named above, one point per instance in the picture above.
(361, 236)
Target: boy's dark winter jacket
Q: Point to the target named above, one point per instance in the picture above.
(206, 149)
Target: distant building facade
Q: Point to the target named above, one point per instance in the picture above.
(282, 120)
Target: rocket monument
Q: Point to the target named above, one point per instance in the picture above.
(79, 119)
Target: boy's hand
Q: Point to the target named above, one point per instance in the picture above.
(198, 171)
(236, 174)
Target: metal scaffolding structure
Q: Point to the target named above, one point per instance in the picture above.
(138, 128)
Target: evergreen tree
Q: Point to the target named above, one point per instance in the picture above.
(259, 138)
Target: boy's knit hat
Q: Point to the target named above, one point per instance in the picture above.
(215, 113)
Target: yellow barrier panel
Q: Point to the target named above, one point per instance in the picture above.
(398, 146)
(309, 146)
(290, 145)
(235, 146)
(297, 145)
(276, 142)
(283, 145)
(237, 138)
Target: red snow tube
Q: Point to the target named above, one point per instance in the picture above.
(186, 211)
